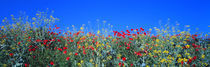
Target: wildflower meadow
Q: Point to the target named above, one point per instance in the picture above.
(38, 42)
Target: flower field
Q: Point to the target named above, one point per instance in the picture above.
(37, 41)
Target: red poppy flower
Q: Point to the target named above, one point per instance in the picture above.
(60, 49)
(67, 58)
(120, 64)
(76, 54)
(29, 50)
(131, 65)
(130, 38)
(11, 54)
(64, 52)
(57, 27)
(196, 49)
(194, 57)
(84, 52)
(145, 33)
(139, 54)
(38, 40)
(127, 48)
(142, 29)
(182, 62)
(30, 46)
(128, 31)
(131, 29)
(26, 65)
(52, 63)
(65, 48)
(18, 43)
(123, 58)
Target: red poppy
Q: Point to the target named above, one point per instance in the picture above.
(194, 57)
(142, 29)
(11, 54)
(38, 40)
(130, 38)
(128, 31)
(65, 48)
(131, 29)
(52, 63)
(182, 62)
(131, 65)
(30, 46)
(120, 64)
(123, 58)
(139, 54)
(57, 27)
(26, 65)
(84, 52)
(145, 33)
(196, 49)
(64, 52)
(59, 40)
(127, 48)
(67, 58)
(76, 54)
(29, 50)
(18, 43)
(60, 49)
(193, 65)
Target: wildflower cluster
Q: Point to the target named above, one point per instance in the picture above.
(37, 42)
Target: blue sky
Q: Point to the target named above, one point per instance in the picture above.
(137, 13)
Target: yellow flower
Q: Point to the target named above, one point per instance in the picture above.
(166, 51)
(185, 59)
(150, 54)
(178, 46)
(203, 56)
(81, 28)
(187, 25)
(119, 55)
(79, 64)
(91, 60)
(189, 57)
(98, 32)
(184, 42)
(157, 40)
(163, 60)
(155, 51)
(179, 55)
(180, 60)
(172, 43)
(81, 61)
(2, 27)
(159, 51)
(4, 65)
(187, 46)
(187, 53)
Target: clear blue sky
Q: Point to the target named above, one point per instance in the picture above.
(195, 13)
